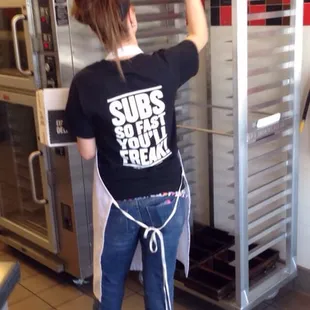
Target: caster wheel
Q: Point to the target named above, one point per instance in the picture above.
(273, 295)
(80, 282)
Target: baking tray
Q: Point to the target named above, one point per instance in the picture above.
(209, 283)
(216, 277)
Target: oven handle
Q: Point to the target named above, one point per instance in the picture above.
(31, 158)
(15, 20)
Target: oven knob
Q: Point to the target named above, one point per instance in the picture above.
(51, 83)
(47, 67)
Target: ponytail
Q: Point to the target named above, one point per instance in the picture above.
(107, 18)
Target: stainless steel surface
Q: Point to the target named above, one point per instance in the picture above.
(297, 23)
(264, 87)
(255, 35)
(268, 216)
(260, 171)
(270, 103)
(268, 230)
(15, 20)
(275, 50)
(268, 201)
(205, 130)
(268, 15)
(240, 99)
(35, 198)
(273, 68)
(263, 247)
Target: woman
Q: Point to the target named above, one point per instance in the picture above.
(122, 112)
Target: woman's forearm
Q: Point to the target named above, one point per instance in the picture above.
(197, 23)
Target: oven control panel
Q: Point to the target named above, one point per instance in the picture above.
(51, 72)
(48, 44)
(46, 27)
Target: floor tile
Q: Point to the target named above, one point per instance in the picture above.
(82, 303)
(262, 306)
(19, 293)
(180, 307)
(31, 303)
(284, 291)
(128, 292)
(60, 294)
(134, 302)
(7, 257)
(27, 271)
(292, 301)
(133, 284)
(39, 283)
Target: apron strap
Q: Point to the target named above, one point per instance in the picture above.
(156, 232)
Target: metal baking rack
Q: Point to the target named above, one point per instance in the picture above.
(264, 116)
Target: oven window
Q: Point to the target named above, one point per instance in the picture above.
(17, 142)
(7, 56)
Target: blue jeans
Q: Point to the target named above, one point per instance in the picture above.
(121, 238)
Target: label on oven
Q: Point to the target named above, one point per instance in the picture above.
(62, 17)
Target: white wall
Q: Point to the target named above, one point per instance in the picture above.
(221, 51)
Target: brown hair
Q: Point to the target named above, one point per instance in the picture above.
(107, 18)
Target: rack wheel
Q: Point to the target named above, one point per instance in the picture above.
(80, 282)
(273, 295)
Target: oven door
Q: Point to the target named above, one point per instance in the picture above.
(26, 180)
(16, 54)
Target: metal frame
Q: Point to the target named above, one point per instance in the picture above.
(246, 297)
(240, 89)
(247, 135)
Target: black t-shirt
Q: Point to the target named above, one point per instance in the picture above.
(133, 121)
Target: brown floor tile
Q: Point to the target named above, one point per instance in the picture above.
(27, 271)
(179, 307)
(60, 294)
(31, 303)
(293, 301)
(39, 283)
(134, 302)
(128, 292)
(19, 293)
(84, 302)
(133, 283)
(7, 257)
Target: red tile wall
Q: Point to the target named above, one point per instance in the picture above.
(221, 12)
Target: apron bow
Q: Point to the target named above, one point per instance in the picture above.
(154, 248)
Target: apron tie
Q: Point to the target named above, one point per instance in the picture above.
(154, 248)
(153, 241)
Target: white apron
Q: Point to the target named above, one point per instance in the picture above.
(102, 203)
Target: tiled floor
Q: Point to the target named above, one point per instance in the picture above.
(41, 289)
